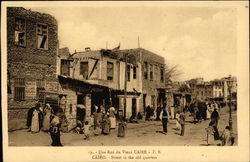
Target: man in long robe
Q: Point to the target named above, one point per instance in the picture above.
(112, 117)
(164, 118)
(35, 121)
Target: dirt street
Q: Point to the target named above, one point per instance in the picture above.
(144, 133)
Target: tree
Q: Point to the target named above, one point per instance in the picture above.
(172, 73)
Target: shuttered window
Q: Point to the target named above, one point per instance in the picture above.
(145, 70)
(20, 32)
(65, 65)
(162, 74)
(151, 72)
(134, 72)
(84, 68)
(42, 36)
(128, 72)
(40, 86)
(19, 94)
(110, 70)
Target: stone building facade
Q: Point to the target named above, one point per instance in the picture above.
(32, 44)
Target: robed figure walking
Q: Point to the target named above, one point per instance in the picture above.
(55, 131)
(164, 118)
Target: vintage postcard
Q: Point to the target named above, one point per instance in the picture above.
(125, 81)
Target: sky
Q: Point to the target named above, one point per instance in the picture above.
(201, 41)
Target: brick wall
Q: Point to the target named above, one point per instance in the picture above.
(29, 62)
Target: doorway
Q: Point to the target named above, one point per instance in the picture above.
(134, 107)
(144, 103)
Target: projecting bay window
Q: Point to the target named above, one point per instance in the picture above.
(20, 32)
(110, 70)
(134, 72)
(40, 86)
(65, 65)
(19, 94)
(84, 68)
(145, 70)
(42, 36)
(151, 72)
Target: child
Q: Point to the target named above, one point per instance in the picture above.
(78, 128)
(86, 130)
(226, 137)
(92, 121)
(210, 134)
(177, 116)
(121, 129)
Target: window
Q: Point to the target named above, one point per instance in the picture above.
(42, 36)
(110, 70)
(162, 74)
(20, 32)
(65, 65)
(128, 72)
(134, 72)
(197, 92)
(40, 86)
(19, 94)
(151, 72)
(145, 70)
(202, 93)
(84, 68)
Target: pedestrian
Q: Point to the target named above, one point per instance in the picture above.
(121, 128)
(30, 115)
(106, 125)
(226, 137)
(46, 121)
(177, 117)
(182, 122)
(97, 122)
(164, 118)
(55, 130)
(112, 117)
(35, 121)
(86, 132)
(148, 112)
(92, 121)
(210, 134)
(215, 117)
(158, 112)
(208, 111)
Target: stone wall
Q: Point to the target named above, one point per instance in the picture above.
(29, 62)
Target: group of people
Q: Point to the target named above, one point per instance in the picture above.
(213, 133)
(102, 121)
(45, 119)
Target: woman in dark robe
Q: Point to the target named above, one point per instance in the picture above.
(55, 131)
(121, 128)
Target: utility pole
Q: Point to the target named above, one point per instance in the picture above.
(125, 86)
(230, 110)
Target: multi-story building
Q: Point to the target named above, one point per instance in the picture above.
(98, 78)
(152, 77)
(32, 45)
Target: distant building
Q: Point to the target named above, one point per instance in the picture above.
(216, 89)
(32, 45)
